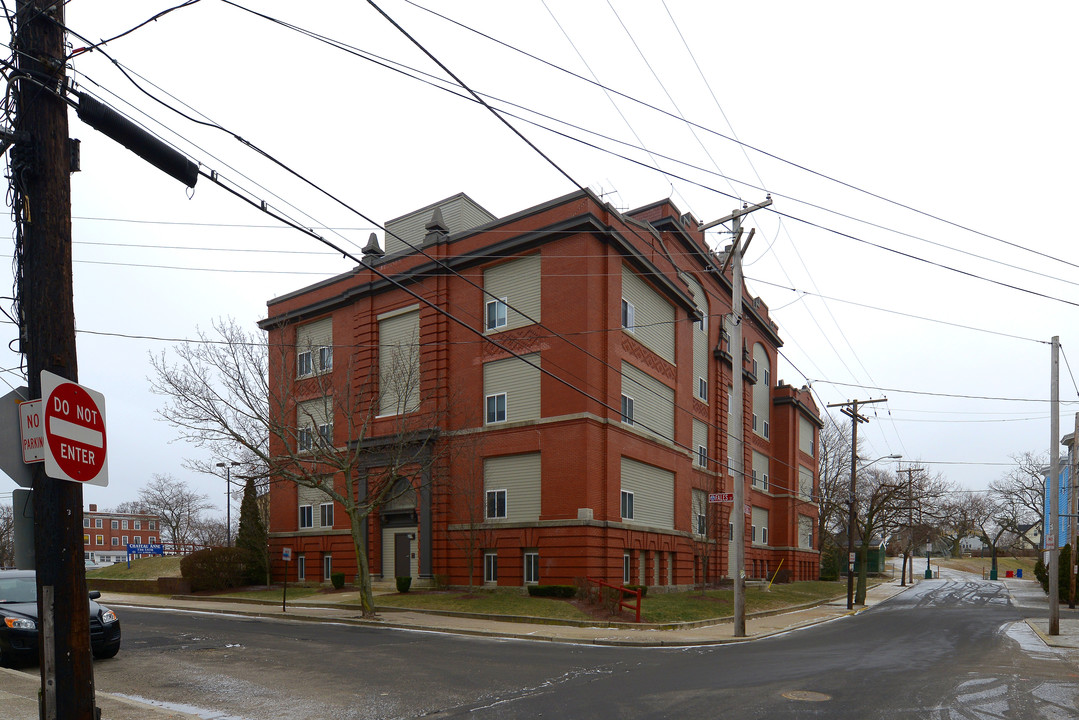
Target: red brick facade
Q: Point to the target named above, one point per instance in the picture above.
(579, 435)
(105, 535)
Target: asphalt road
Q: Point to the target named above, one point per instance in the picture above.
(944, 649)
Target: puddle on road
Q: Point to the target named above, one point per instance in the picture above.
(204, 713)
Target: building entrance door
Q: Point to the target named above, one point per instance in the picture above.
(402, 555)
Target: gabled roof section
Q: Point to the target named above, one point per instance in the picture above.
(458, 214)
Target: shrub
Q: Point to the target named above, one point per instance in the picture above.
(633, 588)
(217, 568)
(1041, 571)
(555, 591)
(338, 580)
(403, 584)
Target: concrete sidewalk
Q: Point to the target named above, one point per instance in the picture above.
(18, 689)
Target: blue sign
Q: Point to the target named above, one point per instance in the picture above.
(155, 549)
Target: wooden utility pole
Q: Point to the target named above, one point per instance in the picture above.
(1052, 535)
(735, 431)
(1073, 512)
(850, 409)
(41, 163)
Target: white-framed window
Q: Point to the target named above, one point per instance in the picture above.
(702, 388)
(754, 367)
(627, 505)
(325, 434)
(97, 522)
(754, 422)
(495, 314)
(627, 568)
(115, 542)
(138, 524)
(86, 522)
(531, 567)
(85, 539)
(496, 408)
(702, 322)
(301, 568)
(496, 503)
(305, 439)
(115, 524)
(754, 535)
(137, 539)
(327, 566)
(730, 466)
(304, 366)
(306, 517)
(325, 358)
(124, 524)
(764, 535)
(767, 378)
(765, 483)
(629, 315)
(490, 567)
(702, 523)
(702, 456)
(151, 539)
(325, 514)
(99, 540)
(730, 399)
(627, 409)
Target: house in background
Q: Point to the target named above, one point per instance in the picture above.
(105, 535)
(582, 355)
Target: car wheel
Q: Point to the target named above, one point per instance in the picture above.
(106, 653)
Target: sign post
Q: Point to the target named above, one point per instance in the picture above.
(286, 555)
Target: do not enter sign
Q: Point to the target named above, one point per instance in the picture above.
(74, 420)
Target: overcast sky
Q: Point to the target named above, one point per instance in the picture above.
(920, 157)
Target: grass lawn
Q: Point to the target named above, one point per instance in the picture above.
(149, 568)
(486, 602)
(983, 565)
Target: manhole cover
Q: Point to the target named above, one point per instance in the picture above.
(806, 696)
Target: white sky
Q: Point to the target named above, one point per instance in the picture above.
(961, 110)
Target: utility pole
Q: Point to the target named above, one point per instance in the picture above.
(850, 409)
(1052, 540)
(41, 163)
(910, 527)
(735, 432)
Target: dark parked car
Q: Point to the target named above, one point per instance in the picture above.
(18, 620)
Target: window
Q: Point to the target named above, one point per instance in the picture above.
(85, 539)
(730, 399)
(754, 535)
(305, 517)
(97, 522)
(767, 378)
(99, 540)
(116, 542)
(754, 422)
(124, 540)
(730, 532)
(304, 439)
(765, 487)
(490, 567)
(496, 408)
(730, 466)
(627, 409)
(301, 568)
(496, 503)
(137, 540)
(124, 525)
(86, 522)
(629, 315)
(627, 568)
(325, 358)
(702, 523)
(303, 363)
(767, 434)
(138, 524)
(327, 566)
(754, 367)
(115, 524)
(531, 567)
(152, 525)
(496, 314)
(702, 323)
(325, 435)
(702, 388)
(325, 514)
(702, 456)
(151, 539)
(627, 505)
(764, 534)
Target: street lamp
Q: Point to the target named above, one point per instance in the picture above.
(850, 522)
(228, 499)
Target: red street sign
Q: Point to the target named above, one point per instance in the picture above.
(74, 420)
(720, 497)
(33, 439)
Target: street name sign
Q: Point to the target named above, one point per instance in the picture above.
(74, 423)
(720, 497)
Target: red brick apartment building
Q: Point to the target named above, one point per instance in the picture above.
(105, 535)
(582, 355)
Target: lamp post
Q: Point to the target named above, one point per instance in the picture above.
(228, 499)
(928, 552)
(852, 515)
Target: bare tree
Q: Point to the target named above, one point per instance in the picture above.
(7, 536)
(210, 531)
(927, 502)
(315, 432)
(178, 508)
(1020, 493)
(882, 502)
(464, 490)
(833, 469)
